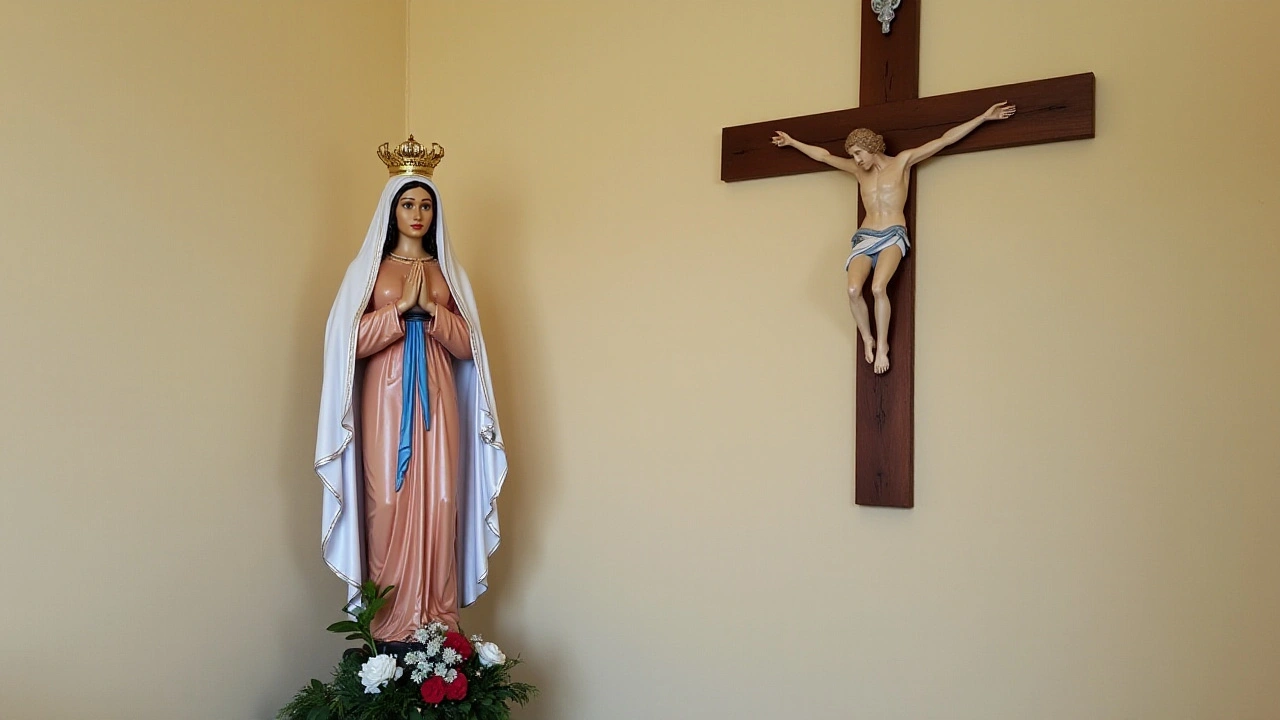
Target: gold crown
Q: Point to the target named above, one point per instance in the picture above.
(411, 158)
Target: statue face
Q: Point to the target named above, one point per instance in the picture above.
(414, 212)
(861, 156)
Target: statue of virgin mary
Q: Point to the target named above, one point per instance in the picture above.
(408, 446)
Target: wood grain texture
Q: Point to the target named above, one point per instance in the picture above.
(1050, 110)
(889, 65)
(884, 416)
(884, 405)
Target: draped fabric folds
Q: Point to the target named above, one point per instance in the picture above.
(481, 466)
(873, 242)
(414, 379)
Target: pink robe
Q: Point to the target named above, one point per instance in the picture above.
(410, 534)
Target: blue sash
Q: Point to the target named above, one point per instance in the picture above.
(873, 242)
(415, 383)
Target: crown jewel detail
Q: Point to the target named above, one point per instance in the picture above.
(411, 158)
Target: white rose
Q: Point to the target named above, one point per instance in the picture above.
(378, 671)
(489, 654)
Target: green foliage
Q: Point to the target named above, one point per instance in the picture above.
(490, 690)
(371, 601)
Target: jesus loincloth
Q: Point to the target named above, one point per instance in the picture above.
(872, 242)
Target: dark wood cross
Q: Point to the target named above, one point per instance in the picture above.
(1048, 111)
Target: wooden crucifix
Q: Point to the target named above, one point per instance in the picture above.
(1047, 111)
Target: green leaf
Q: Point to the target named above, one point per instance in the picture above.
(318, 713)
(344, 626)
(355, 636)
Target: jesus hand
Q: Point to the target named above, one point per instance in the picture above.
(1000, 111)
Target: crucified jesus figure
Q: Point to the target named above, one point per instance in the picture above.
(881, 242)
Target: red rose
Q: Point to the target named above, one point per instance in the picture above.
(433, 689)
(460, 645)
(457, 689)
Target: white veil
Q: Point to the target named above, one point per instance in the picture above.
(482, 465)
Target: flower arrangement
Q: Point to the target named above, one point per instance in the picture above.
(440, 675)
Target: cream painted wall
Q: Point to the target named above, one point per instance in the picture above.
(1096, 396)
(181, 186)
(182, 183)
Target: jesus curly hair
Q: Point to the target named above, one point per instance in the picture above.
(866, 139)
